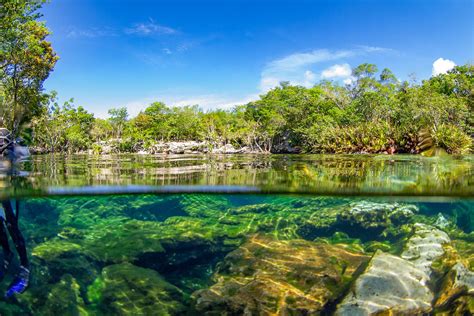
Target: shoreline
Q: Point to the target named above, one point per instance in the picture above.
(204, 148)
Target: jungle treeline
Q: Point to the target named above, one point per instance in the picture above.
(376, 113)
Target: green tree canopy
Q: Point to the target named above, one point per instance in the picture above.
(26, 60)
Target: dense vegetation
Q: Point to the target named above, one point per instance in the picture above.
(375, 113)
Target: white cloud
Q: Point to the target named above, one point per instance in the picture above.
(337, 71)
(150, 28)
(442, 66)
(295, 67)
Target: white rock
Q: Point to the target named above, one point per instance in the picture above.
(425, 246)
(389, 284)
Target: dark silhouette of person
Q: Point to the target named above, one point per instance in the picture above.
(13, 153)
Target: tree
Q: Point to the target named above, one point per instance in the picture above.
(26, 60)
(118, 119)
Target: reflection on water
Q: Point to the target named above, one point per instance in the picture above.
(317, 174)
(222, 254)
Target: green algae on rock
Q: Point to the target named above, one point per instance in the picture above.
(64, 299)
(266, 276)
(125, 289)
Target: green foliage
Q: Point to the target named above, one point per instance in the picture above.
(452, 139)
(376, 113)
(63, 128)
(26, 60)
(118, 119)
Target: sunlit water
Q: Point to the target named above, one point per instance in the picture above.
(245, 235)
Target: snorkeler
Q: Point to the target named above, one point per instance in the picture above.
(9, 220)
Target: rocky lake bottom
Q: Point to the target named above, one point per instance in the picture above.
(218, 254)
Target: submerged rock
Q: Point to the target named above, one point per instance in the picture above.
(57, 258)
(267, 277)
(365, 220)
(64, 299)
(390, 285)
(395, 285)
(123, 242)
(425, 246)
(456, 296)
(373, 218)
(125, 289)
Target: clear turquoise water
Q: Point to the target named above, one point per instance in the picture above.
(235, 235)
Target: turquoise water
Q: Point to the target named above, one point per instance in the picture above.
(263, 235)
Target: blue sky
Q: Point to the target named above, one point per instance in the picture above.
(220, 53)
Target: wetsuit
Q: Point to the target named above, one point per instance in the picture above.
(10, 220)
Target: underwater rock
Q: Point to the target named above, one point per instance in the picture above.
(204, 205)
(163, 246)
(59, 257)
(125, 289)
(442, 222)
(64, 299)
(364, 220)
(11, 309)
(266, 276)
(367, 220)
(54, 249)
(466, 252)
(153, 208)
(390, 285)
(456, 296)
(123, 242)
(425, 246)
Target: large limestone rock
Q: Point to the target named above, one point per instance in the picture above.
(397, 285)
(390, 285)
(271, 277)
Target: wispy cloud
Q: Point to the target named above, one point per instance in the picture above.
(150, 28)
(93, 32)
(299, 60)
(296, 68)
(205, 102)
